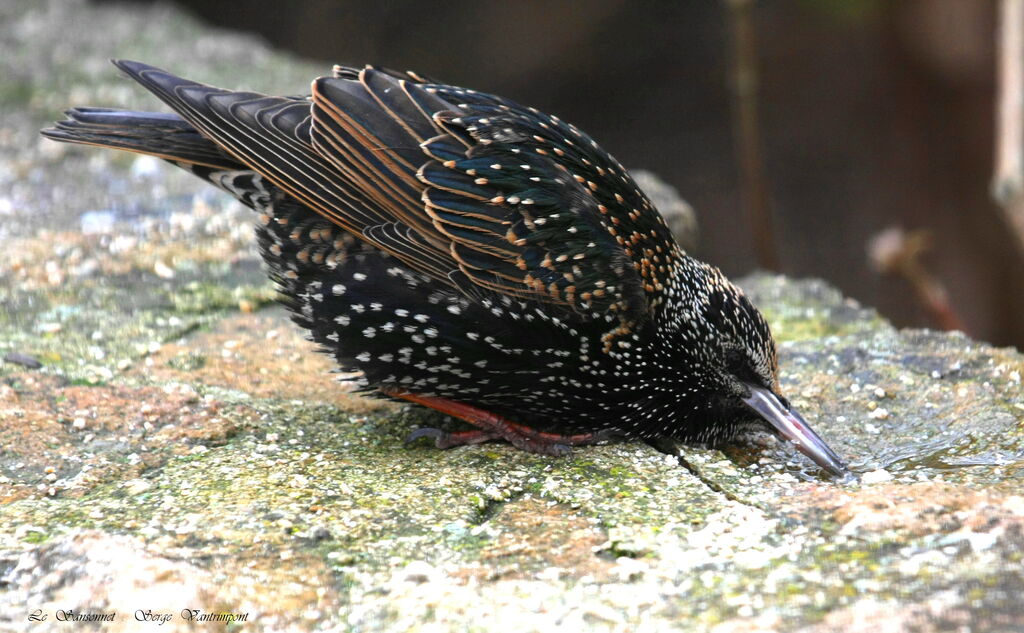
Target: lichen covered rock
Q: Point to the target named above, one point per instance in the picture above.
(155, 407)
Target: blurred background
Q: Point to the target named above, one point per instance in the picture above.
(871, 117)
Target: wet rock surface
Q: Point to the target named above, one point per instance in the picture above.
(169, 442)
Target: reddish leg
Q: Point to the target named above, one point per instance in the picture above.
(492, 427)
(446, 439)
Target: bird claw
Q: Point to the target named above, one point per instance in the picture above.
(445, 439)
(436, 434)
(557, 450)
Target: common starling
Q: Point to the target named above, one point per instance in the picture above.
(475, 256)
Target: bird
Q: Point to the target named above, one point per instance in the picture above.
(460, 251)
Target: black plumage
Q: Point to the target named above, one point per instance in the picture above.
(473, 255)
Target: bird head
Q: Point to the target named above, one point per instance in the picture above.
(734, 353)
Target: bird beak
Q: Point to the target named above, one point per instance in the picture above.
(791, 426)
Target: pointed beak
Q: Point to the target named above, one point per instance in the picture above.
(791, 426)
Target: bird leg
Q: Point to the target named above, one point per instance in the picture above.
(450, 439)
(491, 427)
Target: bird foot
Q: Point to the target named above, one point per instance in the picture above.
(446, 439)
(492, 427)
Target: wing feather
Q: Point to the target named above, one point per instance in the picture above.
(465, 187)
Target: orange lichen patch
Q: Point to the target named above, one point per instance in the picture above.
(534, 535)
(124, 573)
(262, 354)
(67, 439)
(300, 584)
(913, 509)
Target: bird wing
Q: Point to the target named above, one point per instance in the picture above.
(161, 134)
(471, 189)
(575, 225)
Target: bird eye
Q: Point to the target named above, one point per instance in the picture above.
(734, 360)
(739, 365)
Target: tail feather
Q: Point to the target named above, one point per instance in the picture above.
(161, 134)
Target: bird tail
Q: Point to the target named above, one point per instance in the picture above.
(161, 134)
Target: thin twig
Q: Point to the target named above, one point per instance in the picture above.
(746, 130)
(898, 252)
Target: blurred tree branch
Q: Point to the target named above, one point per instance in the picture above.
(1008, 180)
(898, 252)
(747, 133)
